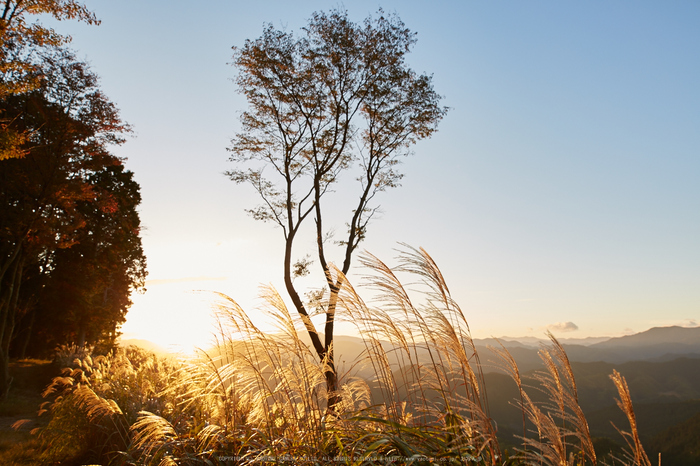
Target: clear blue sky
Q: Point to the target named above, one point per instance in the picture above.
(563, 186)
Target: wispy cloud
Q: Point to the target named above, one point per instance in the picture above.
(689, 323)
(562, 327)
(163, 281)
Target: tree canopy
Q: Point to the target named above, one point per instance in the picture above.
(70, 250)
(339, 98)
(21, 42)
(87, 287)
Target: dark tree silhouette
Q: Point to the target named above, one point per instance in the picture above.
(86, 291)
(44, 195)
(338, 98)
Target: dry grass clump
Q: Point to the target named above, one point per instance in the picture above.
(428, 383)
(260, 397)
(95, 400)
(635, 454)
(561, 435)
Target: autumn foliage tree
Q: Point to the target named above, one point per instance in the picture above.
(21, 41)
(87, 288)
(68, 191)
(339, 98)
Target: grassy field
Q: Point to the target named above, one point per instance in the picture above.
(261, 398)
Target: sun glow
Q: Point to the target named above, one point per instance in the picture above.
(179, 315)
(171, 315)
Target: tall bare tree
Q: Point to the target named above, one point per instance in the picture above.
(338, 98)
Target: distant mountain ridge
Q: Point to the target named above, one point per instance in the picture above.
(535, 342)
(656, 336)
(656, 344)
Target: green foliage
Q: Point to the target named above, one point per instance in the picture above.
(654, 418)
(679, 445)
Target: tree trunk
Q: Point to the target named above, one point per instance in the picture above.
(331, 383)
(298, 303)
(5, 379)
(8, 307)
(324, 351)
(331, 373)
(25, 343)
